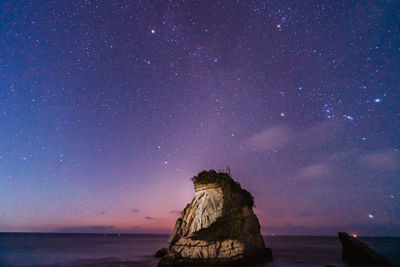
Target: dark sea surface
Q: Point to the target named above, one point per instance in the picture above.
(138, 250)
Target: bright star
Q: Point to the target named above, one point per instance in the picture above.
(282, 114)
(377, 100)
(348, 117)
(370, 216)
(153, 31)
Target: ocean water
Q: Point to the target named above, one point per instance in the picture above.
(18, 250)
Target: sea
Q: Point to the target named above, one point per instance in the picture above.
(44, 249)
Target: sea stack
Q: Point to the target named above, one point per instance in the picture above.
(217, 228)
(356, 252)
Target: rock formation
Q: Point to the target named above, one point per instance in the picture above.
(356, 252)
(218, 227)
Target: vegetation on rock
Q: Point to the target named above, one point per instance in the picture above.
(230, 224)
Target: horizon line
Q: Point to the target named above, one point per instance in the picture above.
(166, 234)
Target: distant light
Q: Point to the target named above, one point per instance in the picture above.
(300, 88)
(354, 235)
(364, 138)
(377, 100)
(282, 114)
(165, 162)
(278, 26)
(153, 31)
(370, 216)
(391, 196)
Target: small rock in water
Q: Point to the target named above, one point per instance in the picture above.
(356, 252)
(161, 252)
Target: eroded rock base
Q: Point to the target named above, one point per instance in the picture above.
(241, 261)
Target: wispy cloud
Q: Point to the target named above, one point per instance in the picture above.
(86, 229)
(388, 160)
(135, 210)
(305, 214)
(178, 212)
(280, 136)
(269, 139)
(149, 218)
(315, 171)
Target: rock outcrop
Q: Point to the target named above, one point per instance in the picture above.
(218, 227)
(356, 252)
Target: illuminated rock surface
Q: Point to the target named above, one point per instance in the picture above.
(213, 232)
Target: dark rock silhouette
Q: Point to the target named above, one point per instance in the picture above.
(356, 252)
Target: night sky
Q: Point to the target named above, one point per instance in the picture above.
(108, 108)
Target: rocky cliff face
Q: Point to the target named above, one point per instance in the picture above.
(206, 211)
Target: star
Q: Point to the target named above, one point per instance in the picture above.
(350, 118)
(160, 84)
